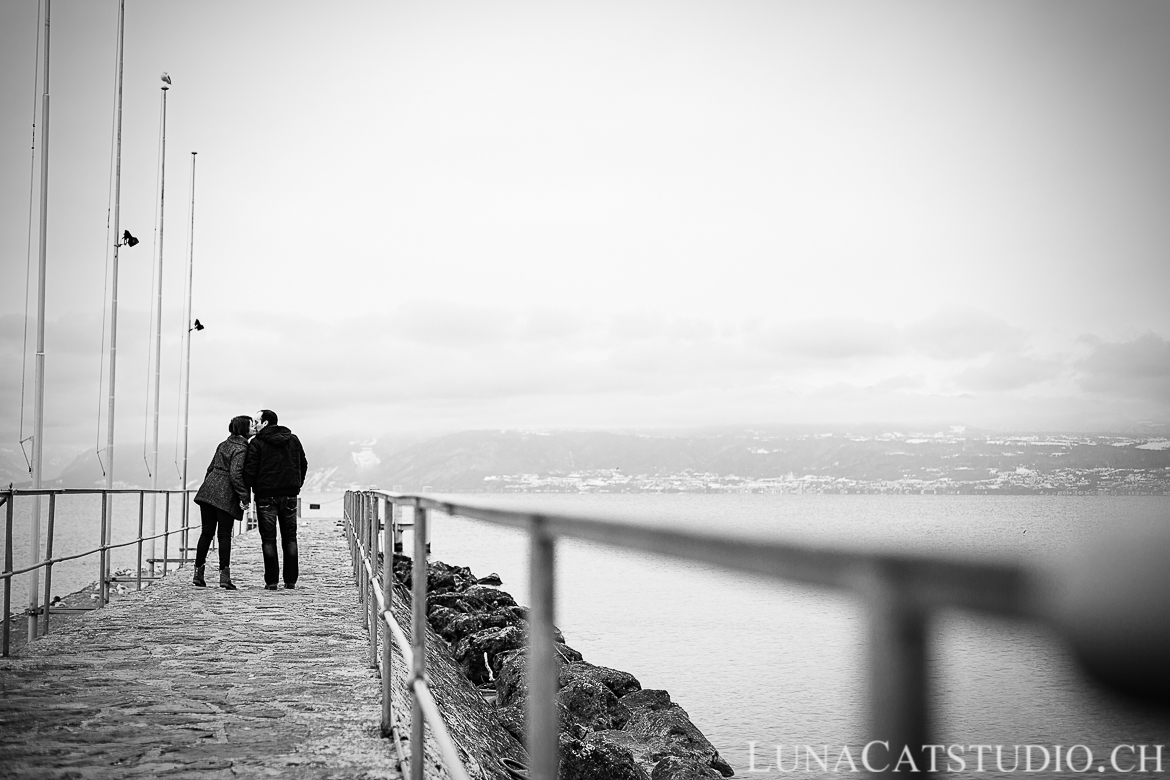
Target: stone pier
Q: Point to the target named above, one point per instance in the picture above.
(179, 681)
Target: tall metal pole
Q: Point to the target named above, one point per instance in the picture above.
(542, 658)
(158, 321)
(117, 243)
(34, 552)
(190, 327)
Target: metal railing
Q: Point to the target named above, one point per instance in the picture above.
(364, 529)
(900, 592)
(38, 616)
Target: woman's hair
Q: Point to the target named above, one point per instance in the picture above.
(239, 425)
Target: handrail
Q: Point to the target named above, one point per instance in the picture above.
(938, 581)
(900, 591)
(87, 491)
(362, 524)
(42, 607)
(50, 561)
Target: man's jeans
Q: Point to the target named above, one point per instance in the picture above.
(271, 512)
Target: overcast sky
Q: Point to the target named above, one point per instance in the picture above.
(444, 215)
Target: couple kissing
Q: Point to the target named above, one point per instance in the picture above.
(259, 458)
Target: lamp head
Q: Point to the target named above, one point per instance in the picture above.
(128, 239)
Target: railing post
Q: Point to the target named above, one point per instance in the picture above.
(166, 513)
(34, 552)
(186, 525)
(49, 557)
(103, 594)
(167, 534)
(359, 533)
(371, 599)
(387, 596)
(365, 539)
(141, 502)
(345, 521)
(8, 567)
(109, 553)
(543, 726)
(349, 500)
(397, 529)
(418, 641)
(898, 672)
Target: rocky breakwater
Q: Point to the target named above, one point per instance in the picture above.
(610, 727)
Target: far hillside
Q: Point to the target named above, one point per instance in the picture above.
(728, 460)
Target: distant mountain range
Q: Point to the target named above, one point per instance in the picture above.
(473, 461)
(14, 466)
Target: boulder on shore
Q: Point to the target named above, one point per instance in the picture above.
(610, 727)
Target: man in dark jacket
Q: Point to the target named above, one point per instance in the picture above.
(274, 470)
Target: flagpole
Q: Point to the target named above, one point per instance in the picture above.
(39, 370)
(190, 328)
(103, 586)
(158, 323)
(117, 244)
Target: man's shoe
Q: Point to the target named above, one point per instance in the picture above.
(199, 582)
(269, 587)
(290, 585)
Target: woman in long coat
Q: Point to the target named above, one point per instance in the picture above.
(222, 499)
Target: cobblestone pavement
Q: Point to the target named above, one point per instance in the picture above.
(179, 681)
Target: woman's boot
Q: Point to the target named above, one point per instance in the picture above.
(199, 581)
(225, 578)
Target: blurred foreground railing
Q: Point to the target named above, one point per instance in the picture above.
(39, 606)
(900, 593)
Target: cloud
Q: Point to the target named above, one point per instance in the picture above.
(900, 382)
(1139, 368)
(11, 328)
(1004, 372)
(636, 325)
(76, 334)
(831, 339)
(74, 361)
(441, 323)
(545, 323)
(412, 367)
(958, 334)
(961, 333)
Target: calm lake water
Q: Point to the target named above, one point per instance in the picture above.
(753, 660)
(756, 661)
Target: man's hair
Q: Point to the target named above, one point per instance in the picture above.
(268, 416)
(239, 425)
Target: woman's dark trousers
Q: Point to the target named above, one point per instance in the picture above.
(273, 512)
(213, 519)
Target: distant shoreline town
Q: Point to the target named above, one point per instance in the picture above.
(992, 480)
(1064, 482)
